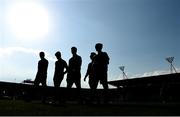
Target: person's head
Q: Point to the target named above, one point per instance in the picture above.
(58, 55)
(92, 55)
(98, 47)
(42, 55)
(74, 50)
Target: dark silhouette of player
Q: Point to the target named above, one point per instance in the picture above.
(60, 66)
(41, 75)
(60, 69)
(90, 72)
(100, 66)
(92, 81)
(74, 70)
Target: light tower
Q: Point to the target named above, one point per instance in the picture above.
(122, 69)
(170, 60)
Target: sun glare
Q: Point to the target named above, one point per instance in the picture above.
(28, 20)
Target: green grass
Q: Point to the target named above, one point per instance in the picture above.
(19, 107)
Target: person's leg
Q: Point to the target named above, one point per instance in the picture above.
(105, 86)
(77, 80)
(93, 91)
(95, 94)
(37, 81)
(69, 83)
(30, 93)
(55, 82)
(69, 80)
(55, 90)
(44, 92)
(104, 81)
(60, 80)
(44, 82)
(78, 86)
(60, 97)
(95, 84)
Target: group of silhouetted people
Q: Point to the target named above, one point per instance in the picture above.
(97, 69)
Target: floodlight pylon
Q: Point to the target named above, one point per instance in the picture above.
(170, 60)
(124, 74)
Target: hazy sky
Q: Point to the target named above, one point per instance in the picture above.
(138, 34)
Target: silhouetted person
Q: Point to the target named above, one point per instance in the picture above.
(100, 65)
(60, 66)
(60, 69)
(90, 72)
(92, 81)
(41, 75)
(74, 69)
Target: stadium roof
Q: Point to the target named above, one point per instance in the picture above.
(175, 78)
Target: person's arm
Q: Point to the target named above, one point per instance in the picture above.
(47, 63)
(107, 57)
(66, 67)
(80, 61)
(87, 73)
(85, 77)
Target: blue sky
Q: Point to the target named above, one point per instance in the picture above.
(138, 34)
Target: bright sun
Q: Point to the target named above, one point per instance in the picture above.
(28, 20)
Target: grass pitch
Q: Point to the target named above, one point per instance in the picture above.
(35, 108)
